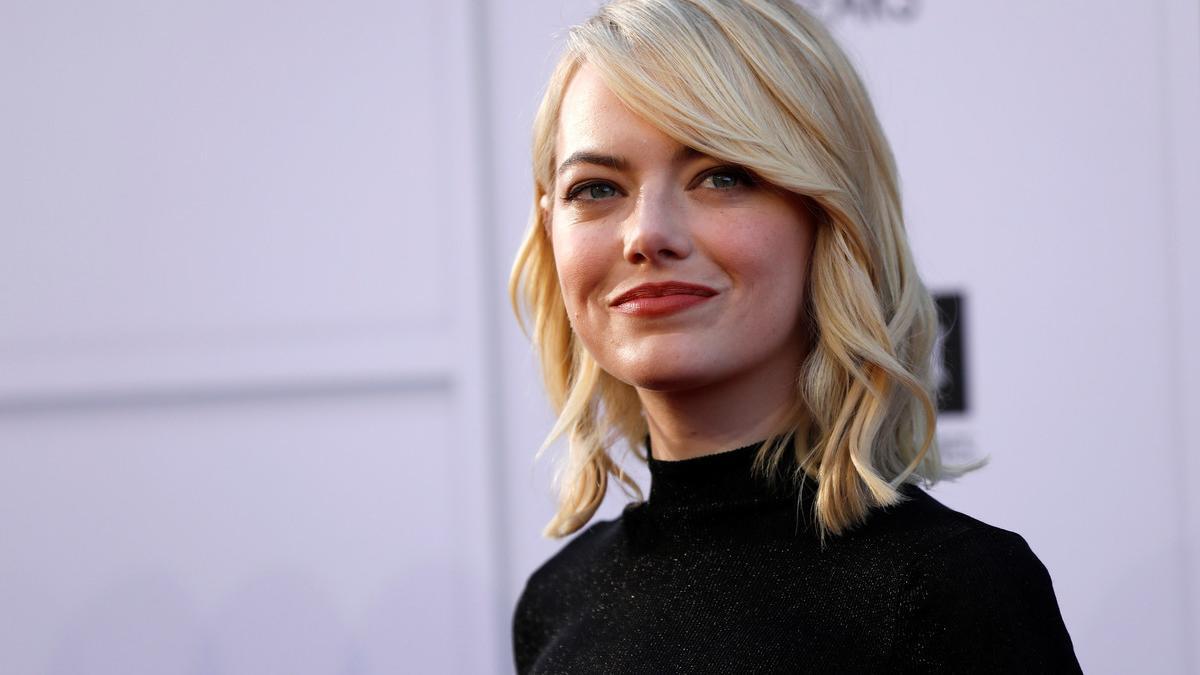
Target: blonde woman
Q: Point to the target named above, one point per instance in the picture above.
(718, 278)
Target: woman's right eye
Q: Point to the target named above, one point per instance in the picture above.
(591, 192)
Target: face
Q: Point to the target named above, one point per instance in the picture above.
(678, 270)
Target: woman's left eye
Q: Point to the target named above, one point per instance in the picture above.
(725, 179)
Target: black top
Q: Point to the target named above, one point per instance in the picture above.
(721, 573)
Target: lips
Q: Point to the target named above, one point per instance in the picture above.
(661, 299)
(663, 289)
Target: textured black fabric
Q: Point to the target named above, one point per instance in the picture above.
(720, 573)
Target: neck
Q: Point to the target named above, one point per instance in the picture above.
(730, 414)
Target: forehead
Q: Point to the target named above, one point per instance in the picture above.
(592, 118)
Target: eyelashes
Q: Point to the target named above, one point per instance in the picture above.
(605, 189)
(729, 177)
(720, 178)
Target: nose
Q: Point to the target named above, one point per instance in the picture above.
(657, 230)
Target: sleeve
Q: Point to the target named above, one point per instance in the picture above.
(981, 602)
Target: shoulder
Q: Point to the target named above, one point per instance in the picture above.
(944, 540)
(974, 597)
(578, 553)
(552, 591)
(924, 524)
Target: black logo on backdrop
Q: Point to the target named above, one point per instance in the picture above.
(863, 10)
(952, 397)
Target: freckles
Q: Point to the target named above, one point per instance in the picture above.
(765, 255)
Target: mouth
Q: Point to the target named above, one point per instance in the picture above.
(660, 299)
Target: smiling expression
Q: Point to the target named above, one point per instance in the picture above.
(678, 270)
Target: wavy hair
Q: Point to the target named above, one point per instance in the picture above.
(762, 84)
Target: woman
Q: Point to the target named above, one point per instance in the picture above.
(718, 273)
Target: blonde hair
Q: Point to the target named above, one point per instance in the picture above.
(762, 84)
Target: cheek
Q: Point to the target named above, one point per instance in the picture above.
(769, 257)
(581, 267)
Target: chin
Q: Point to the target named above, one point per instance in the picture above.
(664, 376)
(661, 362)
(660, 382)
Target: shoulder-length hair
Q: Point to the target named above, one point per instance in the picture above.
(762, 84)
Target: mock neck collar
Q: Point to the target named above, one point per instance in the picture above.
(723, 478)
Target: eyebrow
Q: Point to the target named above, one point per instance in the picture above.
(620, 163)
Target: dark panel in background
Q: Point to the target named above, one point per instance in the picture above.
(952, 397)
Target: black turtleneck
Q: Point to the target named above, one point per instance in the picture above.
(720, 572)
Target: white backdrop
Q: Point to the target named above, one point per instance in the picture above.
(262, 404)
(244, 371)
